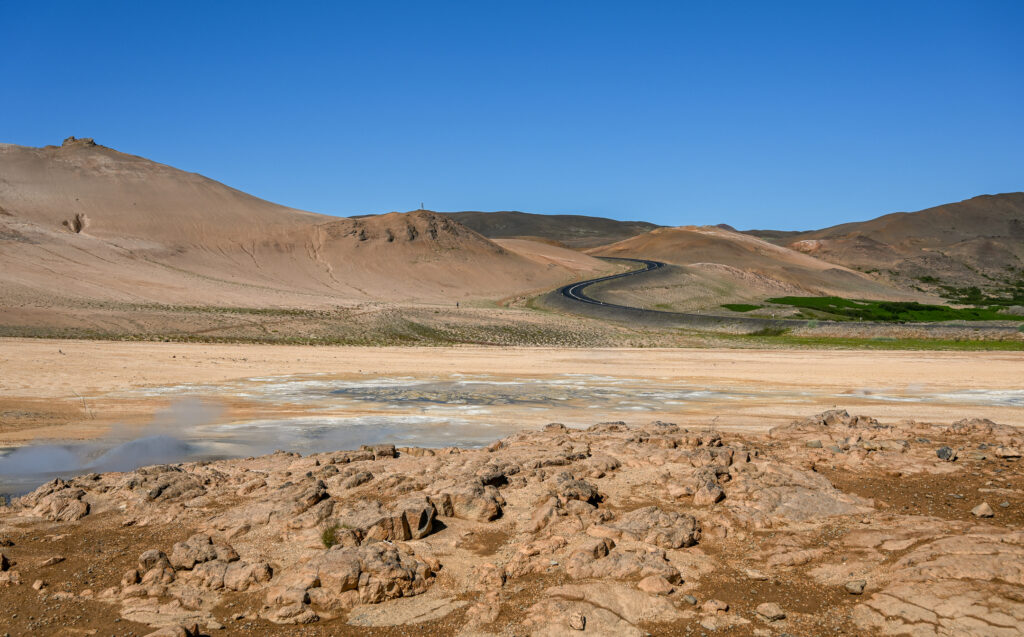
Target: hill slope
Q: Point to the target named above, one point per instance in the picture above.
(717, 265)
(82, 223)
(979, 241)
(574, 231)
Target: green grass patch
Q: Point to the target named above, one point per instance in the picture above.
(770, 331)
(741, 307)
(887, 311)
(901, 344)
(1011, 293)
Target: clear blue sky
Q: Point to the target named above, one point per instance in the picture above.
(758, 114)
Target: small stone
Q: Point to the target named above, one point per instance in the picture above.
(855, 587)
(756, 575)
(656, 585)
(709, 493)
(56, 559)
(814, 444)
(1004, 504)
(690, 599)
(714, 606)
(946, 453)
(771, 611)
(983, 510)
(577, 621)
(38, 584)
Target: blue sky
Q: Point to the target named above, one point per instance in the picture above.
(759, 114)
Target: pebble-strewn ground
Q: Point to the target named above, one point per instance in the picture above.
(836, 524)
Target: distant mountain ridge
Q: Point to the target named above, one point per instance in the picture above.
(574, 231)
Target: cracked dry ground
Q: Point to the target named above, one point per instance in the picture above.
(831, 525)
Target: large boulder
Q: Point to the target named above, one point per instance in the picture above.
(669, 530)
(341, 578)
(56, 501)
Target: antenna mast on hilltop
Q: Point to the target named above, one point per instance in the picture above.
(421, 206)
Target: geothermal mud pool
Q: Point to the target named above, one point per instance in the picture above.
(314, 413)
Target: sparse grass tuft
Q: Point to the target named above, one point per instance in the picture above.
(770, 331)
(329, 534)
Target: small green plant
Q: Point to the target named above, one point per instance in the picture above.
(741, 307)
(329, 534)
(770, 331)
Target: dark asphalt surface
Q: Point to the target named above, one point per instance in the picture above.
(576, 292)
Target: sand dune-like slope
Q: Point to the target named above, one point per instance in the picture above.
(959, 243)
(84, 223)
(718, 265)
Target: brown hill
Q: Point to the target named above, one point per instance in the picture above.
(574, 231)
(979, 241)
(84, 223)
(717, 265)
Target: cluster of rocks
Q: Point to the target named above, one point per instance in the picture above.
(622, 529)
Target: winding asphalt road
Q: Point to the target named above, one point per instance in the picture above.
(576, 292)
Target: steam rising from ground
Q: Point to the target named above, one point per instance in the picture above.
(190, 429)
(123, 449)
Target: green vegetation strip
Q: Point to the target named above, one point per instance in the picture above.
(887, 311)
(825, 342)
(741, 307)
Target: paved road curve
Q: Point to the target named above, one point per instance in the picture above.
(575, 291)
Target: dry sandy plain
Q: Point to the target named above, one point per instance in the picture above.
(77, 389)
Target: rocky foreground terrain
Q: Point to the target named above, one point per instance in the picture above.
(836, 524)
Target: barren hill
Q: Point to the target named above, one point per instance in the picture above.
(718, 265)
(574, 231)
(979, 241)
(82, 223)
